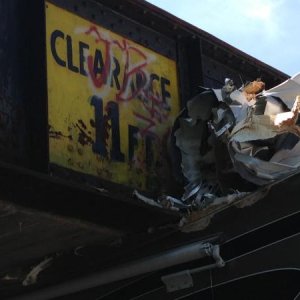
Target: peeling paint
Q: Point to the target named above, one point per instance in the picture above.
(84, 138)
(57, 134)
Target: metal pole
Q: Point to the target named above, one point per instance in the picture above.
(161, 261)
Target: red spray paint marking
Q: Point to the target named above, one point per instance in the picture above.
(129, 73)
(154, 115)
(106, 127)
(99, 80)
(150, 122)
(154, 110)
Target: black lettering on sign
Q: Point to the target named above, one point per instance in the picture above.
(138, 80)
(98, 62)
(82, 47)
(149, 150)
(115, 75)
(113, 115)
(101, 129)
(71, 66)
(153, 77)
(164, 93)
(99, 144)
(132, 141)
(54, 36)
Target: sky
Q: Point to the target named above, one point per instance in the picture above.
(268, 30)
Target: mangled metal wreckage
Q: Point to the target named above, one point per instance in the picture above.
(233, 143)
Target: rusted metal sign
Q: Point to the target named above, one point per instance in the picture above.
(111, 102)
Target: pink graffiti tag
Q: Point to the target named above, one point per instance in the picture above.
(155, 113)
(154, 107)
(131, 71)
(99, 80)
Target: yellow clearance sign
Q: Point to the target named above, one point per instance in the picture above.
(111, 102)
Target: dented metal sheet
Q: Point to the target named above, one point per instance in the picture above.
(287, 91)
(112, 102)
(234, 145)
(259, 132)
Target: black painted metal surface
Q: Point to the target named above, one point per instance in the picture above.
(23, 115)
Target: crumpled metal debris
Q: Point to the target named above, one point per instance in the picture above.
(164, 201)
(256, 129)
(230, 141)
